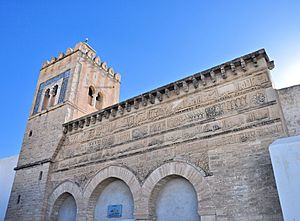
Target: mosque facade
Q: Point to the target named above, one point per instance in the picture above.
(194, 149)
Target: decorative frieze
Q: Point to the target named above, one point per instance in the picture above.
(210, 135)
(206, 78)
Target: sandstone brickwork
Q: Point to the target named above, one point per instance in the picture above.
(290, 102)
(212, 129)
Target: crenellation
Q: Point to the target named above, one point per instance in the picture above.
(120, 110)
(136, 104)
(106, 114)
(159, 96)
(176, 89)
(152, 98)
(195, 82)
(87, 52)
(97, 60)
(184, 84)
(212, 76)
(167, 93)
(94, 119)
(223, 72)
(254, 60)
(53, 59)
(60, 56)
(202, 77)
(243, 64)
(111, 71)
(45, 63)
(104, 66)
(69, 51)
(233, 69)
(128, 106)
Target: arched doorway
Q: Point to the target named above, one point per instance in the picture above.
(176, 200)
(114, 202)
(112, 182)
(65, 208)
(192, 176)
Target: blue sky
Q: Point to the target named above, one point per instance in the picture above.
(150, 42)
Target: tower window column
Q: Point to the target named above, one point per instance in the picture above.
(98, 101)
(53, 96)
(46, 99)
(91, 99)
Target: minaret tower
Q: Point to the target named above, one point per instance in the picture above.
(74, 84)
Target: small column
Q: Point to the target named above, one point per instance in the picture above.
(94, 100)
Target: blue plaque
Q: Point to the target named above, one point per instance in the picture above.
(114, 211)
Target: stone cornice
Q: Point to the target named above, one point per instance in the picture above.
(40, 162)
(197, 80)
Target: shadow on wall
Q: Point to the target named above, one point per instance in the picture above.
(7, 175)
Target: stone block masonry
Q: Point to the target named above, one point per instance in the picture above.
(209, 132)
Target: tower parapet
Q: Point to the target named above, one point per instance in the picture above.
(90, 53)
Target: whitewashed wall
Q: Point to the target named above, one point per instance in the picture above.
(285, 156)
(7, 175)
(68, 210)
(116, 193)
(177, 201)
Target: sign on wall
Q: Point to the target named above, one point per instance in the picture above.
(114, 211)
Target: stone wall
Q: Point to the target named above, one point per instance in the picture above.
(73, 72)
(290, 102)
(213, 130)
(27, 201)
